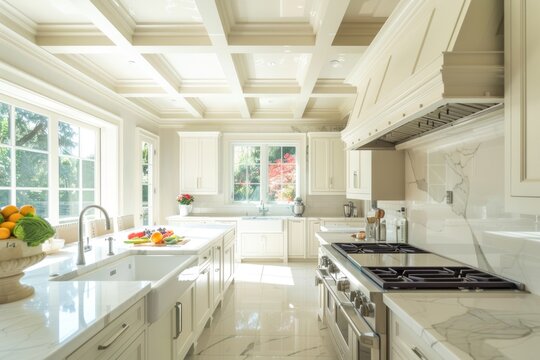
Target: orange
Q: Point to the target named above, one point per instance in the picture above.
(156, 237)
(8, 225)
(27, 209)
(15, 217)
(8, 210)
(4, 233)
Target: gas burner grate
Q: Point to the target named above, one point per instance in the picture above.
(376, 248)
(400, 278)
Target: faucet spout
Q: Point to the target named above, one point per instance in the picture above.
(80, 256)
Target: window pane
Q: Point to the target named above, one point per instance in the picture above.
(69, 173)
(88, 143)
(145, 216)
(145, 195)
(5, 166)
(289, 154)
(239, 192)
(38, 198)
(247, 154)
(31, 130)
(240, 174)
(254, 174)
(4, 123)
(145, 149)
(281, 173)
(254, 192)
(274, 154)
(69, 203)
(68, 139)
(32, 169)
(88, 173)
(5, 197)
(144, 178)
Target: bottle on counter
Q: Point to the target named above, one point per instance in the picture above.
(401, 226)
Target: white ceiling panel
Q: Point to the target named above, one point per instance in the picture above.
(365, 9)
(276, 11)
(331, 103)
(50, 11)
(196, 66)
(161, 11)
(221, 103)
(276, 103)
(165, 103)
(119, 66)
(275, 66)
(338, 66)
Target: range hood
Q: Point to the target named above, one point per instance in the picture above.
(433, 64)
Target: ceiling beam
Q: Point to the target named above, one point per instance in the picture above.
(331, 16)
(215, 27)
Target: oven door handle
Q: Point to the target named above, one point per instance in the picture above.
(323, 278)
(360, 327)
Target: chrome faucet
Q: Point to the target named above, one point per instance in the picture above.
(262, 209)
(80, 257)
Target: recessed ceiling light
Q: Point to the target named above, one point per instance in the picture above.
(132, 62)
(336, 63)
(300, 6)
(174, 100)
(271, 63)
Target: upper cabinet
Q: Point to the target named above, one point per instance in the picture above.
(522, 91)
(326, 164)
(375, 175)
(199, 162)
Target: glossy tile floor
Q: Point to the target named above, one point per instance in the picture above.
(270, 312)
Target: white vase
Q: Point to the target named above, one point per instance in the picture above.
(184, 209)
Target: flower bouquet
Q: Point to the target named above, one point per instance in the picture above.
(184, 203)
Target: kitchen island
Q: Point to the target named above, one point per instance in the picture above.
(63, 316)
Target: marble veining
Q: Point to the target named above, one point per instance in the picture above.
(474, 228)
(484, 326)
(270, 312)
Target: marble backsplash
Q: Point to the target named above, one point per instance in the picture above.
(473, 227)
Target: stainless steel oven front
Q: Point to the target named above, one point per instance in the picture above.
(352, 335)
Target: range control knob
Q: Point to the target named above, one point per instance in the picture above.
(353, 295)
(367, 309)
(332, 269)
(343, 285)
(358, 301)
(324, 261)
(318, 281)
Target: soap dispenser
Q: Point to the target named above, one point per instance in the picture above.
(401, 226)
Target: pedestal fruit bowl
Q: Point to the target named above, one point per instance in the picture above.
(15, 256)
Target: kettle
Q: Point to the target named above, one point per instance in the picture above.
(298, 207)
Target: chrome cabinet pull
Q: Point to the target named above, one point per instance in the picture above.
(178, 311)
(111, 341)
(419, 353)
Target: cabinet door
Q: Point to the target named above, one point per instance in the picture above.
(353, 171)
(296, 238)
(182, 324)
(336, 163)
(208, 165)
(364, 186)
(522, 90)
(318, 166)
(228, 265)
(273, 245)
(202, 298)
(217, 265)
(189, 165)
(252, 245)
(312, 242)
(135, 351)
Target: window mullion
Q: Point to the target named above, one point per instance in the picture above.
(54, 172)
(264, 172)
(13, 154)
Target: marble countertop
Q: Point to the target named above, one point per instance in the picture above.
(235, 217)
(63, 315)
(478, 325)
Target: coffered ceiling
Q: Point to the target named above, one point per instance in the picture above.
(211, 59)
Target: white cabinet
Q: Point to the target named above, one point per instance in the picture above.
(375, 175)
(314, 226)
(199, 162)
(296, 238)
(217, 268)
(203, 297)
(404, 344)
(259, 245)
(120, 339)
(182, 324)
(522, 90)
(228, 259)
(326, 164)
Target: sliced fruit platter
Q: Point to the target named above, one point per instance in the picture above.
(155, 237)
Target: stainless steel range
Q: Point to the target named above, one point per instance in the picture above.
(352, 278)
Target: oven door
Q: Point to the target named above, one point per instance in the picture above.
(352, 336)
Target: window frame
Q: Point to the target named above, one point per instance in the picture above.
(264, 144)
(53, 156)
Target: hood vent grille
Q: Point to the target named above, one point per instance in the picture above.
(443, 116)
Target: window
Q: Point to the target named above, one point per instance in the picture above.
(26, 153)
(264, 171)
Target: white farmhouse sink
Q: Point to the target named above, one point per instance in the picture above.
(260, 224)
(170, 276)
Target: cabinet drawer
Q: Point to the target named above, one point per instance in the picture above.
(229, 238)
(114, 336)
(206, 256)
(406, 344)
(136, 350)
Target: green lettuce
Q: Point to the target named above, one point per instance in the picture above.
(33, 230)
